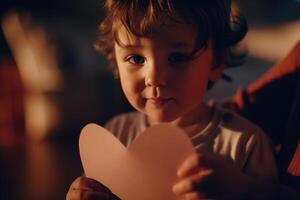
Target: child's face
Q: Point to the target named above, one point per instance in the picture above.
(158, 76)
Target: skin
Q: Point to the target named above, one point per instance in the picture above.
(161, 78)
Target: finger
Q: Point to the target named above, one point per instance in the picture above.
(87, 195)
(192, 165)
(84, 183)
(193, 183)
(98, 186)
(192, 196)
(195, 196)
(202, 160)
(189, 165)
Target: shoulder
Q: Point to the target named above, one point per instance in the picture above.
(246, 143)
(241, 133)
(231, 121)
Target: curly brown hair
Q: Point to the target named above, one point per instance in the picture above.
(213, 19)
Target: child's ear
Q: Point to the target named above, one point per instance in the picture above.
(216, 73)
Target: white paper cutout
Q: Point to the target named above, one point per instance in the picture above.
(146, 170)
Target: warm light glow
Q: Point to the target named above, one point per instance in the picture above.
(34, 54)
(41, 115)
(37, 63)
(272, 43)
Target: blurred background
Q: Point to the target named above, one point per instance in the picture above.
(53, 82)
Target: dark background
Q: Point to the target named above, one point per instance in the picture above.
(35, 168)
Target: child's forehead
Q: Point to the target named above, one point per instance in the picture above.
(170, 34)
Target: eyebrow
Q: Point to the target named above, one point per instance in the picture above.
(130, 46)
(176, 45)
(179, 44)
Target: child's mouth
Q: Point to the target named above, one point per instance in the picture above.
(158, 101)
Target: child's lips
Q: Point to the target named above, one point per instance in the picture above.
(158, 101)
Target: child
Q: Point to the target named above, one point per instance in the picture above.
(166, 54)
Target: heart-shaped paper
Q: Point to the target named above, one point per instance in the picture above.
(146, 170)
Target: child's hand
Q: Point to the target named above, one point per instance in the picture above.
(88, 189)
(210, 176)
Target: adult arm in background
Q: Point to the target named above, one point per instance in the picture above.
(268, 101)
(289, 65)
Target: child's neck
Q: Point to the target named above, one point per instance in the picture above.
(194, 121)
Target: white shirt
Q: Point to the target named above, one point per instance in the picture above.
(227, 134)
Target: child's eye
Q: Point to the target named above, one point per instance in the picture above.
(136, 59)
(178, 57)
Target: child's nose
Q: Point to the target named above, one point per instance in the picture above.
(155, 77)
